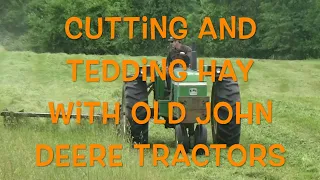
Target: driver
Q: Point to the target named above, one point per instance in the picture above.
(177, 51)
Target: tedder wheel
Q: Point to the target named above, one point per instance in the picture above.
(200, 137)
(227, 91)
(182, 137)
(134, 92)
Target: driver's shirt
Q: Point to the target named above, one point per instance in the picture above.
(175, 54)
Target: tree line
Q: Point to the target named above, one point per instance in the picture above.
(284, 29)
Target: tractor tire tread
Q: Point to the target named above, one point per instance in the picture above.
(227, 91)
(136, 91)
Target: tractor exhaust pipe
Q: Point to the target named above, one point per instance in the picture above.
(194, 57)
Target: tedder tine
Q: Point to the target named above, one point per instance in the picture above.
(21, 113)
(44, 115)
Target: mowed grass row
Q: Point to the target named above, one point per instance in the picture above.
(29, 81)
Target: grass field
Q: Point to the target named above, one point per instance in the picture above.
(29, 81)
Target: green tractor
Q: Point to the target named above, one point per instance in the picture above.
(193, 94)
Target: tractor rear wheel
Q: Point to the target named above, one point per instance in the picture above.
(134, 92)
(226, 91)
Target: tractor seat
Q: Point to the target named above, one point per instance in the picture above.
(167, 93)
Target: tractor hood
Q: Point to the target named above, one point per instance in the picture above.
(192, 76)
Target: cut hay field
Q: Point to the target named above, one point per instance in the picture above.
(29, 81)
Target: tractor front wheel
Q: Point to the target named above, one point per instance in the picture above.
(200, 137)
(200, 134)
(182, 136)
